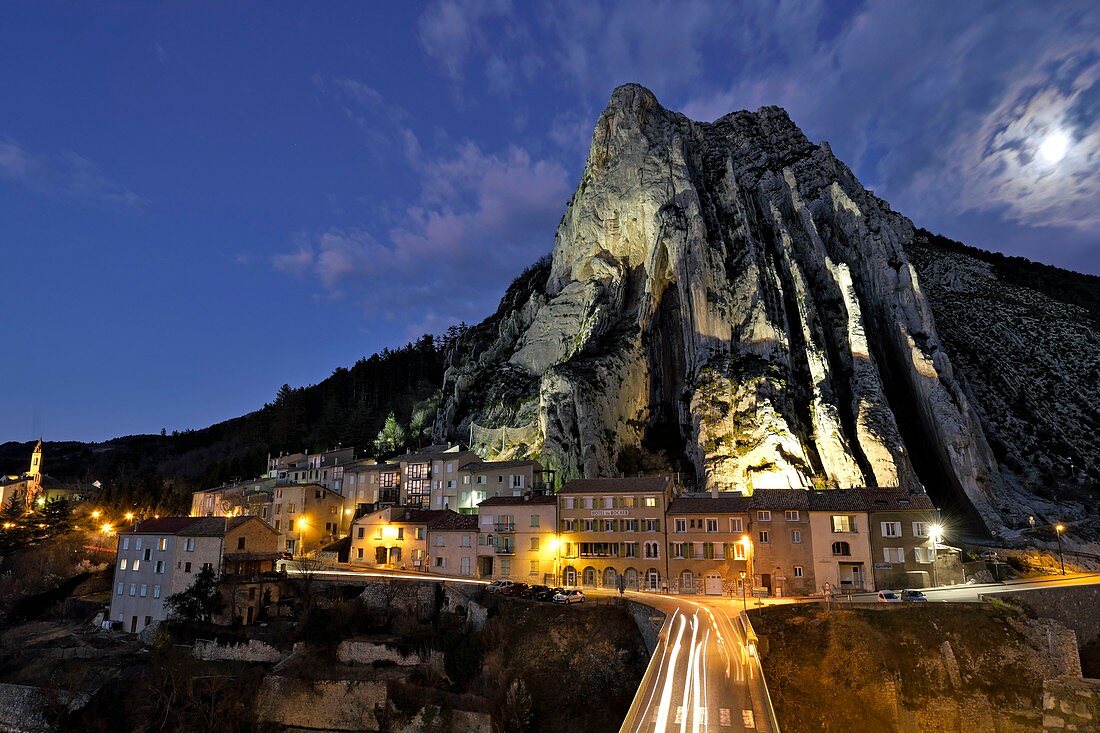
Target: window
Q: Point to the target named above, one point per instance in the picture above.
(651, 525)
(763, 536)
(608, 502)
(650, 501)
(133, 589)
(791, 515)
(163, 544)
(450, 468)
(534, 520)
(920, 529)
(764, 516)
(482, 479)
(569, 502)
(187, 567)
(712, 525)
(534, 544)
(439, 540)
(358, 553)
(841, 549)
(452, 484)
(534, 567)
(137, 564)
(137, 543)
(360, 533)
(676, 550)
(680, 525)
(798, 571)
(144, 590)
(737, 550)
(842, 523)
(737, 525)
(189, 544)
(240, 543)
(277, 524)
(708, 550)
(122, 564)
(160, 567)
(630, 525)
(119, 590)
(290, 508)
(588, 502)
(923, 554)
(893, 554)
(148, 554)
(126, 543)
(891, 529)
(505, 567)
(465, 541)
(441, 562)
(651, 550)
(464, 565)
(630, 549)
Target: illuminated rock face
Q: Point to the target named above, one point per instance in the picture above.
(728, 296)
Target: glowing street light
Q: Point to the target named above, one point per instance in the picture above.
(106, 528)
(96, 513)
(302, 524)
(1058, 530)
(935, 532)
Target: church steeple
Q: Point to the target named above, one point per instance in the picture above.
(36, 462)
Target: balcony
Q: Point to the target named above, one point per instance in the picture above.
(504, 527)
(506, 549)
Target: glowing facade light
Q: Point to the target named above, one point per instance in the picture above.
(389, 532)
(302, 523)
(129, 516)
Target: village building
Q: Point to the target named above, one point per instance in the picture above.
(614, 528)
(708, 548)
(781, 550)
(160, 557)
(452, 545)
(517, 538)
(34, 487)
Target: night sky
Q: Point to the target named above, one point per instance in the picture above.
(201, 201)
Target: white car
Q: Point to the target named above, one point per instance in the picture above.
(570, 596)
(888, 596)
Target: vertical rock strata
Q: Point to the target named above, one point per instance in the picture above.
(728, 297)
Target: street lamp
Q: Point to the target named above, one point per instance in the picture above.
(936, 531)
(744, 598)
(96, 513)
(302, 524)
(1058, 530)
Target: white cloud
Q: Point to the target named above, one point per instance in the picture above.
(67, 174)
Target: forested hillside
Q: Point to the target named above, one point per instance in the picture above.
(348, 408)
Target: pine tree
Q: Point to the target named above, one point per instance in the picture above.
(200, 601)
(391, 438)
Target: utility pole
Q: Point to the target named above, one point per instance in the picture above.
(744, 598)
(1058, 530)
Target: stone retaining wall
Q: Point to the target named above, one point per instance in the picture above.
(253, 651)
(649, 621)
(331, 705)
(1071, 704)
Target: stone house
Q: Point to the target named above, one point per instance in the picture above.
(517, 538)
(708, 547)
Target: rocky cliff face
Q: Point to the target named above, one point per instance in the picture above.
(728, 300)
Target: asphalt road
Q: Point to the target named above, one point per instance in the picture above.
(971, 593)
(701, 677)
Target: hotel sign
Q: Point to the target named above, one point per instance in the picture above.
(610, 512)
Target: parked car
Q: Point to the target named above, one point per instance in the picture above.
(515, 589)
(499, 586)
(286, 555)
(533, 591)
(547, 595)
(570, 596)
(888, 596)
(913, 596)
(989, 555)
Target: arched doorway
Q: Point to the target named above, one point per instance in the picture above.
(611, 579)
(652, 579)
(569, 577)
(589, 577)
(712, 584)
(687, 582)
(631, 579)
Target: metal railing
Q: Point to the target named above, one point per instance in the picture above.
(506, 549)
(504, 527)
(751, 641)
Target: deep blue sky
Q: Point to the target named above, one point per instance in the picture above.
(200, 202)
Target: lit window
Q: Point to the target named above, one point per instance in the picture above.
(891, 529)
(842, 523)
(122, 564)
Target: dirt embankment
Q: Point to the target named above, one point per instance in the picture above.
(911, 668)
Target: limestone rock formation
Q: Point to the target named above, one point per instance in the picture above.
(724, 298)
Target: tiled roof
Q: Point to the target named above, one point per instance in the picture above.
(642, 484)
(193, 526)
(519, 500)
(454, 522)
(718, 505)
(432, 453)
(871, 500)
(482, 466)
(419, 516)
(780, 499)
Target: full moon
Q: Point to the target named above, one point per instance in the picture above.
(1054, 147)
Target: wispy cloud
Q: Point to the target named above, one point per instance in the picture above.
(66, 174)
